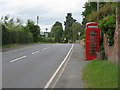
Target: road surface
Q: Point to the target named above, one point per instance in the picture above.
(32, 66)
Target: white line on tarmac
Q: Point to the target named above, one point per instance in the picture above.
(35, 52)
(18, 59)
(62, 70)
(53, 76)
(44, 49)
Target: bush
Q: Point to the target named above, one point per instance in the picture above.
(107, 26)
(47, 39)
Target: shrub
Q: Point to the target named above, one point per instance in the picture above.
(107, 26)
(48, 39)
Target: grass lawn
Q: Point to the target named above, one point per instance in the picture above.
(101, 74)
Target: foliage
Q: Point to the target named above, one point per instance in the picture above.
(90, 14)
(107, 25)
(13, 32)
(15, 35)
(47, 39)
(34, 29)
(101, 74)
(10, 22)
(89, 7)
(107, 9)
(118, 6)
(68, 24)
(57, 31)
(77, 27)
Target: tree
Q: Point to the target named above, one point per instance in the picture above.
(77, 27)
(57, 31)
(34, 29)
(89, 7)
(18, 22)
(107, 9)
(68, 23)
(7, 21)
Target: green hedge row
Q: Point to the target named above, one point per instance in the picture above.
(16, 35)
(47, 39)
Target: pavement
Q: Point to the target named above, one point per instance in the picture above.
(72, 75)
(43, 65)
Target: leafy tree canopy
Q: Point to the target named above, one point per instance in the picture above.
(68, 24)
(57, 31)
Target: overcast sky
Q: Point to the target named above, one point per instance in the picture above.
(49, 11)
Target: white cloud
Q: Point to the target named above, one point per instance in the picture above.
(49, 11)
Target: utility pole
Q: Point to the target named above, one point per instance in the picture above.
(37, 20)
(98, 10)
(101, 33)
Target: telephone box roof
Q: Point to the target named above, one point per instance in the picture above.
(92, 23)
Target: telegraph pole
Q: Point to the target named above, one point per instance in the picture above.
(98, 10)
(37, 20)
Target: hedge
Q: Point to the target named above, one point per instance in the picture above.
(16, 35)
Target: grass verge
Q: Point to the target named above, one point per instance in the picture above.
(14, 45)
(10, 45)
(101, 74)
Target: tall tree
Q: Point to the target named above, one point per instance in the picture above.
(34, 29)
(57, 31)
(77, 28)
(89, 7)
(68, 23)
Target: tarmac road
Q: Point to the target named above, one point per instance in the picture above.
(32, 66)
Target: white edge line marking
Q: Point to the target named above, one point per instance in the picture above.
(53, 76)
(18, 58)
(35, 52)
(44, 49)
(62, 70)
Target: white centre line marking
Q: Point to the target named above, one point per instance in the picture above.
(18, 58)
(44, 48)
(35, 52)
(53, 76)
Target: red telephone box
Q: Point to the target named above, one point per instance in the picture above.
(92, 40)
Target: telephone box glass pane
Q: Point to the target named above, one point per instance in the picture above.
(93, 31)
(93, 37)
(93, 34)
(92, 26)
